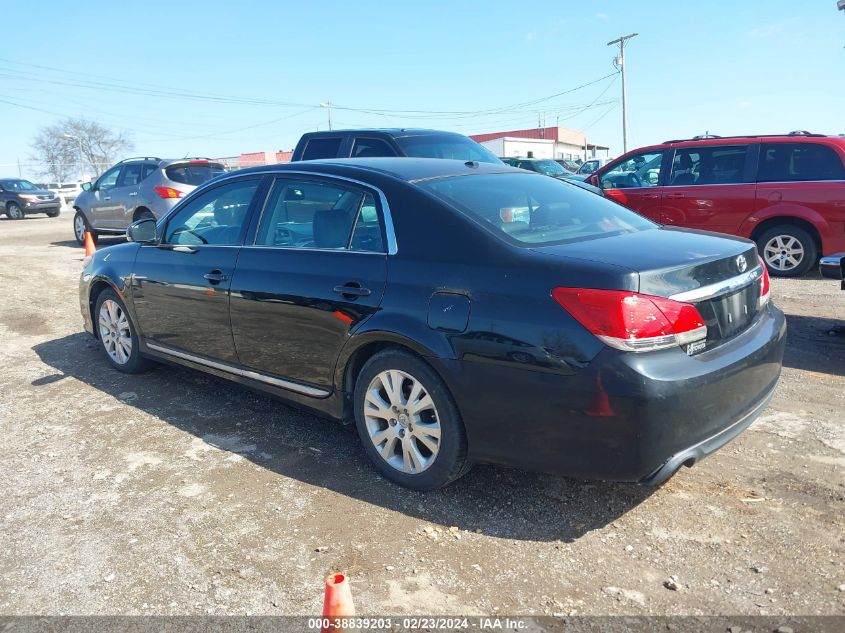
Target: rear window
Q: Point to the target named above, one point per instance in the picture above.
(531, 209)
(452, 146)
(318, 148)
(193, 174)
(784, 162)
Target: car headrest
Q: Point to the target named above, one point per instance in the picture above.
(331, 228)
(685, 161)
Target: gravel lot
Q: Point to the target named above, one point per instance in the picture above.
(176, 493)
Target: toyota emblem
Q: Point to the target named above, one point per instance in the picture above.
(741, 263)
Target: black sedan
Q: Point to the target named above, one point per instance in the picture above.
(457, 312)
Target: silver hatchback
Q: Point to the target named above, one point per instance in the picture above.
(137, 188)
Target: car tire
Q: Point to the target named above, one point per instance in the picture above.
(117, 334)
(787, 250)
(426, 435)
(14, 211)
(53, 214)
(80, 225)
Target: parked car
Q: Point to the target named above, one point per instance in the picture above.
(65, 191)
(785, 192)
(833, 267)
(589, 166)
(569, 165)
(545, 166)
(372, 143)
(459, 312)
(137, 188)
(20, 197)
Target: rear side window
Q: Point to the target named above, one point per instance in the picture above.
(193, 174)
(149, 168)
(371, 148)
(317, 148)
(307, 214)
(531, 209)
(785, 162)
(708, 166)
(130, 175)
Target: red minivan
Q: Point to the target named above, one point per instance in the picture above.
(785, 192)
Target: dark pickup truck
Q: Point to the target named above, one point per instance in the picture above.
(374, 143)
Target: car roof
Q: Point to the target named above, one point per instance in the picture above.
(407, 169)
(387, 131)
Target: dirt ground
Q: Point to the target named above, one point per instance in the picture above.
(177, 493)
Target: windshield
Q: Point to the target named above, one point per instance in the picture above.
(446, 146)
(534, 209)
(549, 167)
(18, 185)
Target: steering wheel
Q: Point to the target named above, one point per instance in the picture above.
(282, 237)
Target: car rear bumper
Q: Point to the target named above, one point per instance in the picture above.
(625, 417)
(833, 266)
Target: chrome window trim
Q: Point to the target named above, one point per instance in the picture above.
(246, 373)
(722, 287)
(390, 231)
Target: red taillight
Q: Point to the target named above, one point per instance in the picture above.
(765, 285)
(167, 192)
(631, 321)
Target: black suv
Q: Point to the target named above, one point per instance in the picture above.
(376, 143)
(20, 197)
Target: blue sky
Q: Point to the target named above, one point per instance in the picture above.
(727, 67)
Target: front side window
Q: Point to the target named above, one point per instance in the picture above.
(312, 214)
(109, 179)
(785, 162)
(708, 166)
(318, 148)
(216, 217)
(371, 148)
(531, 209)
(549, 167)
(641, 170)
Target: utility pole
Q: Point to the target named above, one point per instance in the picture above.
(328, 106)
(620, 64)
(20, 174)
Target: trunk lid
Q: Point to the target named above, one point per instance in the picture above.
(718, 274)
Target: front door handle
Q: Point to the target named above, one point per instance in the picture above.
(676, 195)
(133, 194)
(651, 196)
(352, 289)
(216, 276)
(107, 198)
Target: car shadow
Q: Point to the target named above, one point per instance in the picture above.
(495, 501)
(815, 344)
(102, 242)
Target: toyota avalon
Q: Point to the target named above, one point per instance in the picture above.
(455, 312)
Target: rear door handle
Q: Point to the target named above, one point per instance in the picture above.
(352, 289)
(676, 195)
(216, 276)
(107, 198)
(651, 196)
(134, 193)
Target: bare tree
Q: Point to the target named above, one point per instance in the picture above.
(78, 146)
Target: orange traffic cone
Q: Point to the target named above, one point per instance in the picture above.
(337, 602)
(89, 244)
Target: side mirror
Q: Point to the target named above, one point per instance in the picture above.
(142, 231)
(86, 186)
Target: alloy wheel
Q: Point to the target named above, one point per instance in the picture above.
(79, 227)
(783, 252)
(402, 421)
(114, 332)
